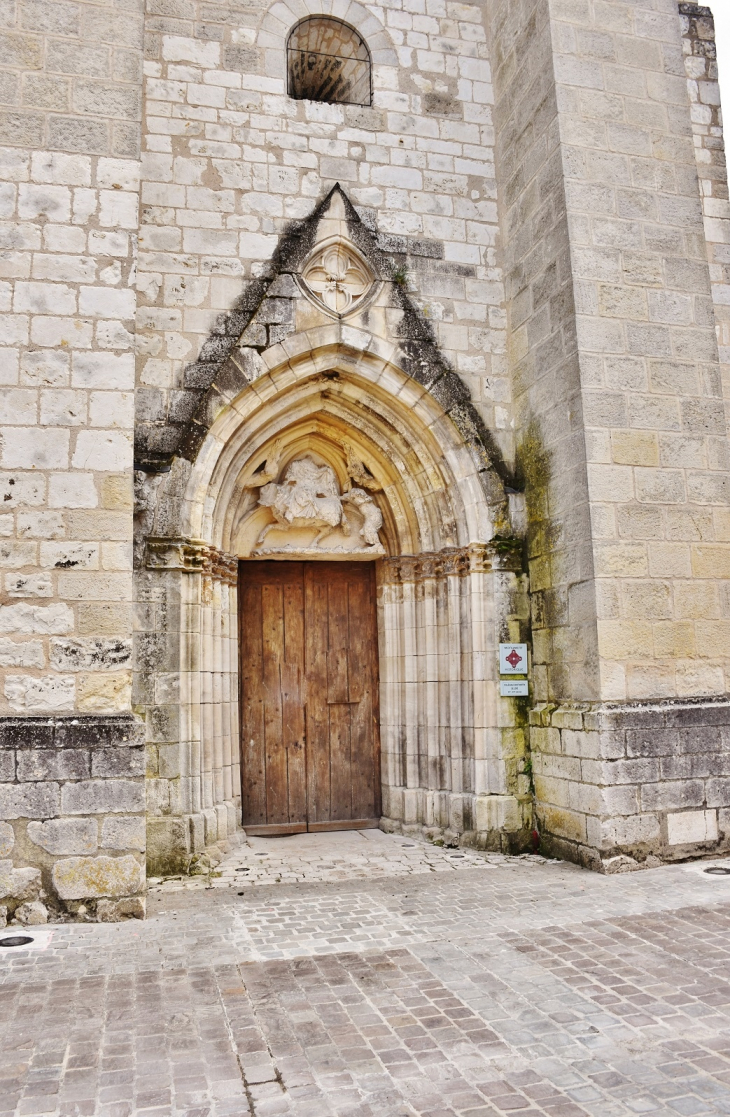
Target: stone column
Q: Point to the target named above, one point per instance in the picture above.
(452, 748)
(187, 671)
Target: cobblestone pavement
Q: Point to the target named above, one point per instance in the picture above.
(442, 987)
(346, 855)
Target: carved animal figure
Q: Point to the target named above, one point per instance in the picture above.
(359, 472)
(372, 517)
(268, 469)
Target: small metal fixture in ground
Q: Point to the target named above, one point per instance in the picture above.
(16, 940)
(718, 871)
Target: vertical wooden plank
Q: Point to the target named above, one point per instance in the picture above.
(293, 727)
(338, 635)
(375, 691)
(253, 759)
(362, 655)
(317, 716)
(272, 609)
(359, 646)
(341, 767)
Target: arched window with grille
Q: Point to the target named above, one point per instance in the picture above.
(328, 61)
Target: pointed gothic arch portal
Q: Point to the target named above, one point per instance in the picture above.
(331, 476)
(379, 448)
(345, 439)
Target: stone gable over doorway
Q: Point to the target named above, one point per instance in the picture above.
(327, 360)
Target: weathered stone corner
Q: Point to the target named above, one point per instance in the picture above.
(621, 786)
(73, 808)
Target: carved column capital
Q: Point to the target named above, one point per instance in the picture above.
(190, 555)
(476, 558)
(223, 567)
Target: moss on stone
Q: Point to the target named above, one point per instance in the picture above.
(533, 474)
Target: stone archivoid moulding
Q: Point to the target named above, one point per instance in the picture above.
(337, 278)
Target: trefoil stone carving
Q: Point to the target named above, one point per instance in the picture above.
(337, 278)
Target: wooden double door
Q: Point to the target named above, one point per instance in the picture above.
(310, 757)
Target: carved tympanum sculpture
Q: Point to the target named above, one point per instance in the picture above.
(372, 517)
(309, 496)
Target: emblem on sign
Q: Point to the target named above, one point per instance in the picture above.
(513, 659)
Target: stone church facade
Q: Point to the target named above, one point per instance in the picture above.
(341, 343)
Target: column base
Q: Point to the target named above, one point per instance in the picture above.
(190, 843)
(501, 823)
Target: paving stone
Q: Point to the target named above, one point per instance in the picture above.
(502, 986)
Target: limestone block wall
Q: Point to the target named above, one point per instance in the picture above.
(700, 64)
(629, 580)
(543, 353)
(70, 105)
(640, 381)
(67, 423)
(72, 804)
(632, 784)
(653, 409)
(229, 161)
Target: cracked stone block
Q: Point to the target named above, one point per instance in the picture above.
(80, 878)
(103, 796)
(90, 654)
(7, 838)
(32, 914)
(620, 864)
(691, 826)
(39, 695)
(19, 884)
(65, 835)
(52, 764)
(211, 825)
(496, 812)
(123, 833)
(114, 911)
(33, 800)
